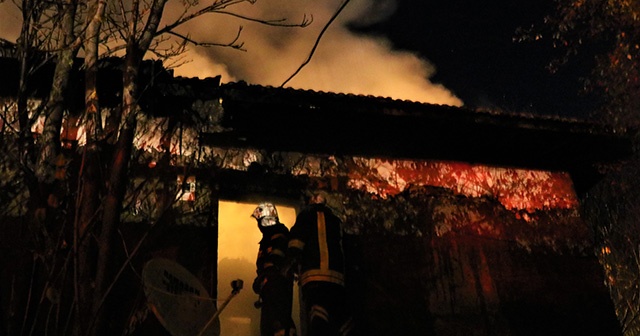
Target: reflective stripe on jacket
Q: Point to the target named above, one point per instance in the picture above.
(316, 242)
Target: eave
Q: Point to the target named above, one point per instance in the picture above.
(313, 122)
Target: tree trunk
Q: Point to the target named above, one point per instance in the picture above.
(49, 151)
(137, 46)
(116, 191)
(90, 174)
(18, 306)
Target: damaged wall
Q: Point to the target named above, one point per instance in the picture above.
(446, 248)
(434, 247)
(444, 252)
(441, 247)
(474, 281)
(458, 222)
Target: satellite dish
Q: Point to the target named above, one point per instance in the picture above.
(178, 299)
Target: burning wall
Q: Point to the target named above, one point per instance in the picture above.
(434, 247)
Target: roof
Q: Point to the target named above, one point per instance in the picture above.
(285, 119)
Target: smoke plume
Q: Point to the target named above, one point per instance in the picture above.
(343, 62)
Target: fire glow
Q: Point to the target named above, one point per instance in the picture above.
(515, 188)
(518, 189)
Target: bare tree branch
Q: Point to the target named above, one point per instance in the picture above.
(218, 10)
(209, 9)
(151, 27)
(315, 45)
(274, 22)
(233, 44)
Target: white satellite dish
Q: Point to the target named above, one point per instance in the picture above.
(179, 300)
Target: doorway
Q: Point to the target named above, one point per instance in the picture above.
(238, 237)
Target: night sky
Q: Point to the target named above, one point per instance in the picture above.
(472, 45)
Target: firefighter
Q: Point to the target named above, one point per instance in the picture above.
(316, 257)
(275, 290)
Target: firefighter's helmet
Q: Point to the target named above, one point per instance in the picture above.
(266, 214)
(318, 197)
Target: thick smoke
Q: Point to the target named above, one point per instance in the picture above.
(343, 62)
(10, 21)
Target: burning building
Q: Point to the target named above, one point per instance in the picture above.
(457, 222)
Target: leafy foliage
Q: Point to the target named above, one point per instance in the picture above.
(612, 207)
(607, 31)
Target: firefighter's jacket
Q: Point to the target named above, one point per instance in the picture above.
(315, 244)
(271, 253)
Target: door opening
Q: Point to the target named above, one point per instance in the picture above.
(238, 237)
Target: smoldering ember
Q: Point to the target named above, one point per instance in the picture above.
(457, 222)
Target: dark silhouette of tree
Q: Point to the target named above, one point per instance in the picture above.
(608, 34)
(75, 197)
(604, 35)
